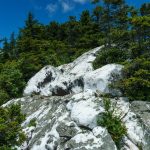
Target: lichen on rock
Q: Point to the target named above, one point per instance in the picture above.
(65, 102)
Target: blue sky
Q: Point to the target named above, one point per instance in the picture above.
(14, 12)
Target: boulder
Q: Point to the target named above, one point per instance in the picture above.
(75, 77)
(65, 102)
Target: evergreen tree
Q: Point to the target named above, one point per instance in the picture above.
(52, 31)
(124, 30)
(140, 24)
(12, 46)
(145, 9)
(97, 14)
(85, 18)
(6, 49)
(12, 41)
(33, 29)
(113, 19)
(72, 31)
(11, 133)
(30, 26)
(11, 81)
(30, 36)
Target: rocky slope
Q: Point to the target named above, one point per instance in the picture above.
(65, 102)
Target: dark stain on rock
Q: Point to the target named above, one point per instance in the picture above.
(78, 82)
(60, 92)
(47, 79)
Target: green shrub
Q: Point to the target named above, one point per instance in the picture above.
(113, 123)
(135, 82)
(109, 55)
(32, 123)
(6, 148)
(136, 88)
(11, 133)
(11, 81)
(3, 96)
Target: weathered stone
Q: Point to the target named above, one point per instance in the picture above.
(87, 141)
(142, 110)
(68, 120)
(66, 131)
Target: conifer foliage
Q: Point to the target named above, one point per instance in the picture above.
(10, 127)
(124, 30)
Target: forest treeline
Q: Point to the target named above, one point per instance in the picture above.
(123, 29)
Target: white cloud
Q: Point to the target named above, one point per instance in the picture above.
(51, 8)
(66, 6)
(80, 1)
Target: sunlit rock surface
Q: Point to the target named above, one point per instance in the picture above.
(75, 77)
(65, 102)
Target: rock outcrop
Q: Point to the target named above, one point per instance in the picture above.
(72, 78)
(65, 102)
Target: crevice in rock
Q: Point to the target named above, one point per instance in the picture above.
(124, 115)
(55, 148)
(28, 140)
(65, 138)
(85, 128)
(60, 92)
(66, 101)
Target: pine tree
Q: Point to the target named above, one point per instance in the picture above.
(141, 27)
(52, 30)
(11, 133)
(72, 31)
(33, 29)
(112, 17)
(85, 18)
(29, 25)
(145, 9)
(12, 46)
(6, 49)
(97, 14)
(31, 35)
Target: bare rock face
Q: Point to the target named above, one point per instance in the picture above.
(59, 126)
(65, 102)
(75, 77)
(142, 111)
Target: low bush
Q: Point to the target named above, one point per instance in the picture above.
(11, 133)
(11, 81)
(135, 82)
(32, 123)
(113, 123)
(108, 56)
